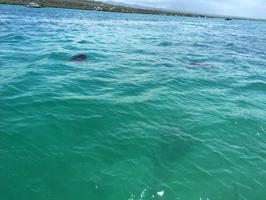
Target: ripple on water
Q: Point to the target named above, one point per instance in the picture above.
(164, 108)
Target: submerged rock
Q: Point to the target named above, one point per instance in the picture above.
(79, 57)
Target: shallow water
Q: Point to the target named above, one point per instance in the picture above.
(167, 108)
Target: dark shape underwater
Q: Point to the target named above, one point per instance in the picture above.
(79, 57)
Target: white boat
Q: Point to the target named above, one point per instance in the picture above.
(33, 5)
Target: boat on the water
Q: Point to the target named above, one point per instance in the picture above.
(33, 5)
(228, 18)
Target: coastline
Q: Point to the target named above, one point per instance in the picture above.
(106, 7)
(98, 6)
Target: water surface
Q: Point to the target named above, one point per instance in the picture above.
(169, 108)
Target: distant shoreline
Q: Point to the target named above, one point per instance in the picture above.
(100, 6)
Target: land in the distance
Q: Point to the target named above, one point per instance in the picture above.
(101, 6)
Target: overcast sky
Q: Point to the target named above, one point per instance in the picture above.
(245, 8)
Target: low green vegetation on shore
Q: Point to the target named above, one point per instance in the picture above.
(97, 5)
(108, 7)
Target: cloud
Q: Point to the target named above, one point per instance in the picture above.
(245, 8)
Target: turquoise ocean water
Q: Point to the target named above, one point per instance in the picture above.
(169, 108)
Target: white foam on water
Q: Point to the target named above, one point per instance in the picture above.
(160, 193)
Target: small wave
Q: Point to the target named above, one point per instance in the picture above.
(83, 42)
(165, 44)
(255, 86)
(13, 38)
(62, 56)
